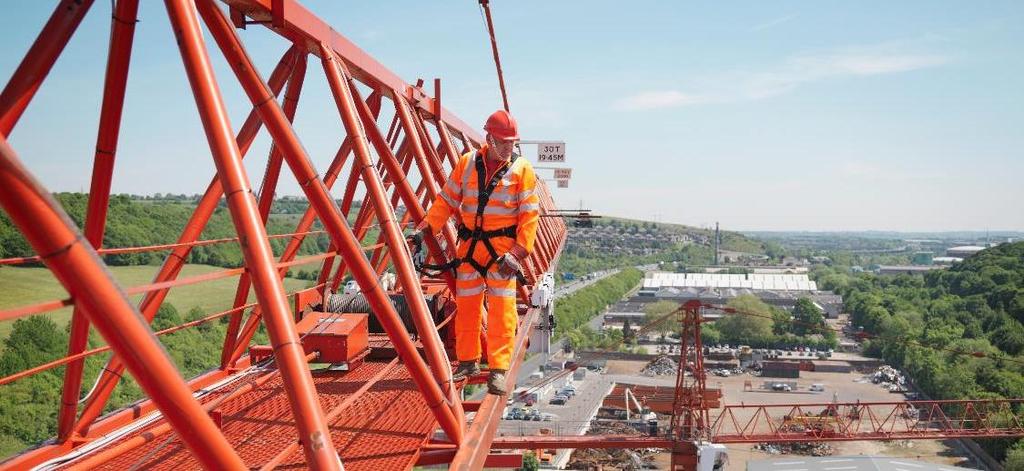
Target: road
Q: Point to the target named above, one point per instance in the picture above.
(572, 286)
(534, 363)
(572, 418)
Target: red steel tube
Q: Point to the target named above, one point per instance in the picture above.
(298, 381)
(426, 169)
(429, 151)
(416, 145)
(334, 413)
(272, 115)
(396, 173)
(446, 142)
(75, 264)
(402, 260)
(433, 151)
(157, 247)
(301, 25)
(266, 200)
(106, 455)
(122, 33)
(292, 249)
(39, 60)
(175, 261)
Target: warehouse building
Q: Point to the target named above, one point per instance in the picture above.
(780, 290)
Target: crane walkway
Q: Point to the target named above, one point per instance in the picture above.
(384, 427)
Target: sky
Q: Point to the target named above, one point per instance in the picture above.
(784, 115)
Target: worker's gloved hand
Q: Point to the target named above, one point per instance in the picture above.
(415, 240)
(509, 265)
(415, 243)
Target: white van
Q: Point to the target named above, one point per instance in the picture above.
(818, 387)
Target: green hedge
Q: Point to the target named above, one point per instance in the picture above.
(575, 310)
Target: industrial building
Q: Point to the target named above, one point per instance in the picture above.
(780, 290)
(757, 281)
(906, 269)
(964, 251)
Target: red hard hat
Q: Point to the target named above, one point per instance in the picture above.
(502, 126)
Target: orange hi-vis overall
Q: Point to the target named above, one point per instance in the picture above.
(510, 216)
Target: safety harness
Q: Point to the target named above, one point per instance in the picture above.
(477, 234)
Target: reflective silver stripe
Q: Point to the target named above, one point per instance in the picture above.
(502, 292)
(468, 208)
(469, 291)
(496, 196)
(467, 275)
(493, 275)
(467, 172)
(453, 187)
(529, 207)
(499, 211)
(448, 199)
(526, 194)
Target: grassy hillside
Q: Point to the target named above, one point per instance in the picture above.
(23, 286)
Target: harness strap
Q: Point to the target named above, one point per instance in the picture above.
(484, 191)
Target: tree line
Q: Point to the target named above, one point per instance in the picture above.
(762, 325)
(133, 222)
(957, 332)
(28, 406)
(573, 312)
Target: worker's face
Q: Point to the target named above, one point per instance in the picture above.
(500, 149)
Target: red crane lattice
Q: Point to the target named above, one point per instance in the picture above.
(397, 169)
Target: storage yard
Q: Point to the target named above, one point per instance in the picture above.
(582, 413)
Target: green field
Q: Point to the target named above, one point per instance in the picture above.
(25, 286)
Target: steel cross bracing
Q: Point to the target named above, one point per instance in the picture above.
(385, 411)
(814, 422)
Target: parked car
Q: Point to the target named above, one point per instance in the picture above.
(516, 414)
(534, 415)
(817, 387)
(558, 400)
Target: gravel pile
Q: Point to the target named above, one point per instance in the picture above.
(661, 366)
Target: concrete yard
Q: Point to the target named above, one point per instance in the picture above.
(573, 417)
(847, 386)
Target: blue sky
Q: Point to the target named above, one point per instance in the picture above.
(813, 115)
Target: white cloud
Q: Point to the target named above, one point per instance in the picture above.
(658, 99)
(788, 75)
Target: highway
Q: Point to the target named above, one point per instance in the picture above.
(533, 363)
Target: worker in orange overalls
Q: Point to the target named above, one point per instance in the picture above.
(491, 192)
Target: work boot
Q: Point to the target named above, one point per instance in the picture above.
(465, 370)
(496, 383)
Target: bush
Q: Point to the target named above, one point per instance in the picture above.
(575, 310)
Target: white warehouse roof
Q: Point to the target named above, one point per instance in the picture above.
(758, 281)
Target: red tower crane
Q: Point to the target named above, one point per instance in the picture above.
(388, 402)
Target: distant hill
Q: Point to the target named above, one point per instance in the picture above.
(731, 240)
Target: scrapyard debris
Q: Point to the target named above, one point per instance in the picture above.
(661, 366)
(612, 459)
(888, 375)
(798, 448)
